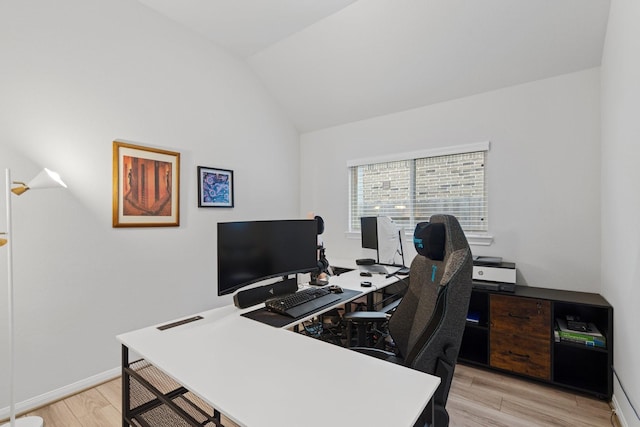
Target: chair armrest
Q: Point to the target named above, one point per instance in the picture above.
(389, 308)
(366, 316)
(380, 354)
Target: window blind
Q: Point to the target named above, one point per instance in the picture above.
(411, 190)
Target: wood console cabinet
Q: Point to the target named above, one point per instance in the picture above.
(514, 333)
(519, 335)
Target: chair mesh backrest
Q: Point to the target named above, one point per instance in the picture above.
(430, 320)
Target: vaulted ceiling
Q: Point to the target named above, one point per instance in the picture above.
(330, 62)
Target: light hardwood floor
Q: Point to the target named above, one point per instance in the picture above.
(483, 398)
(477, 398)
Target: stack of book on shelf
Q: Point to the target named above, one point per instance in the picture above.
(579, 333)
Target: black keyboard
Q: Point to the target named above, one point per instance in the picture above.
(302, 302)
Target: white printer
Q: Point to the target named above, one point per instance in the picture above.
(491, 273)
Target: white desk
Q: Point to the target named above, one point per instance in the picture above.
(261, 376)
(352, 280)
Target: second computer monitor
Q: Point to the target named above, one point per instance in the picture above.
(369, 232)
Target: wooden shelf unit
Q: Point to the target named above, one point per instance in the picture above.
(514, 333)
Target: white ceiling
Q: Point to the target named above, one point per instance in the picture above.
(329, 62)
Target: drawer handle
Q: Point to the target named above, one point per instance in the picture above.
(519, 317)
(511, 353)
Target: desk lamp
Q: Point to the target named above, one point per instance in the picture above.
(45, 179)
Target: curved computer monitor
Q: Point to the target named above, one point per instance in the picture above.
(252, 251)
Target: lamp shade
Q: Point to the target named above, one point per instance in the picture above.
(45, 179)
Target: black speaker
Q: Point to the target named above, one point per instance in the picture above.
(249, 297)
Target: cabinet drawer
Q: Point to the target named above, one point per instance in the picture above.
(521, 354)
(521, 316)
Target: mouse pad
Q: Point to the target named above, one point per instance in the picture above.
(279, 320)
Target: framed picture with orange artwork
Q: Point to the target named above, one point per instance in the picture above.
(146, 186)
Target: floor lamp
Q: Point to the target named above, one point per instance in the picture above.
(45, 179)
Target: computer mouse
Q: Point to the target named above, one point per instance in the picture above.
(335, 289)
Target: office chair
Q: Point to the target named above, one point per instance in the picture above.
(428, 323)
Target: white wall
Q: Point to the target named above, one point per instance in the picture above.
(620, 196)
(75, 75)
(543, 172)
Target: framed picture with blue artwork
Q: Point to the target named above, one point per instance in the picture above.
(215, 187)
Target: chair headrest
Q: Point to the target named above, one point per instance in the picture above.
(429, 240)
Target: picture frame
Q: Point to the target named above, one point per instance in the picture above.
(146, 186)
(215, 187)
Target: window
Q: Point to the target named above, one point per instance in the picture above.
(410, 188)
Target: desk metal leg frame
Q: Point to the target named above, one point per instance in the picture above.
(422, 422)
(152, 399)
(433, 411)
(126, 386)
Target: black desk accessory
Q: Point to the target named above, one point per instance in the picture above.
(576, 324)
(494, 286)
(249, 297)
(179, 322)
(316, 281)
(302, 302)
(403, 271)
(279, 320)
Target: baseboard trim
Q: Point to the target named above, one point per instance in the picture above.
(61, 393)
(619, 414)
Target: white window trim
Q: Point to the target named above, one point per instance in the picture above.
(433, 152)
